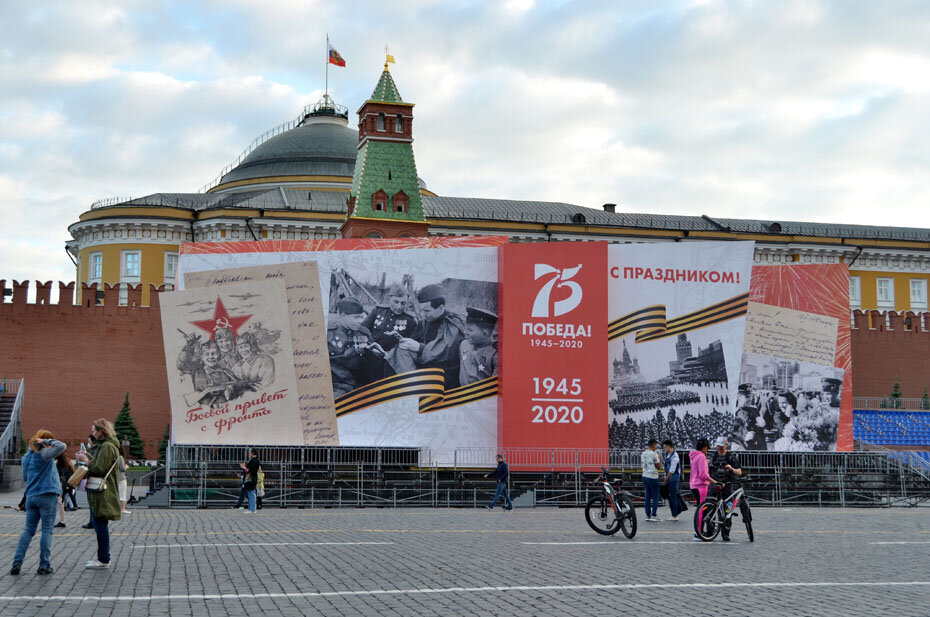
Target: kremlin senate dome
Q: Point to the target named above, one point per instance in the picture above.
(318, 148)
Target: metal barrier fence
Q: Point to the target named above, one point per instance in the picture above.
(204, 476)
(881, 403)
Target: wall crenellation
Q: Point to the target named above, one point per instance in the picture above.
(109, 301)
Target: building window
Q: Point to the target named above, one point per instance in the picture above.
(855, 292)
(130, 273)
(373, 234)
(131, 263)
(399, 124)
(885, 292)
(381, 122)
(918, 294)
(96, 268)
(171, 270)
(379, 205)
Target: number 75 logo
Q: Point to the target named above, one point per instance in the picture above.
(561, 279)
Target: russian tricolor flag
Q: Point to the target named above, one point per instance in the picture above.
(335, 58)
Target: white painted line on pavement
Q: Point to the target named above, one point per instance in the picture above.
(623, 543)
(399, 592)
(899, 542)
(260, 544)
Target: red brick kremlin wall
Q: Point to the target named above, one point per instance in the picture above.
(885, 348)
(80, 361)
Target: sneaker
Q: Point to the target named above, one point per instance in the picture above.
(59, 525)
(696, 539)
(674, 518)
(93, 564)
(45, 570)
(242, 507)
(126, 512)
(726, 538)
(87, 526)
(488, 508)
(14, 571)
(508, 509)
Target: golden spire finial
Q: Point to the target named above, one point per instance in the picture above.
(388, 58)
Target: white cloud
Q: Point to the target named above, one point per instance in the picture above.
(802, 109)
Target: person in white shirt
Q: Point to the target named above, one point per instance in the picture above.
(651, 467)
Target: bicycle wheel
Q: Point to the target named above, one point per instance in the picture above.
(627, 516)
(707, 514)
(746, 513)
(601, 517)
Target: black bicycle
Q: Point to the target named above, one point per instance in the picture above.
(714, 513)
(612, 510)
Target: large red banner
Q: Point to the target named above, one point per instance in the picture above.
(554, 334)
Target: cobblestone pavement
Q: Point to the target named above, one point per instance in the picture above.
(465, 562)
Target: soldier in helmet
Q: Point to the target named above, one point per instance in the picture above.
(479, 351)
(340, 337)
(391, 322)
(436, 341)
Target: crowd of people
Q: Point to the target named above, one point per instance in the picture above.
(684, 430)
(787, 420)
(365, 346)
(720, 474)
(50, 477)
(651, 398)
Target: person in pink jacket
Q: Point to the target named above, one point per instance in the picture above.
(700, 478)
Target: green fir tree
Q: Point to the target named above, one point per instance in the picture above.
(884, 403)
(126, 431)
(163, 444)
(925, 400)
(896, 394)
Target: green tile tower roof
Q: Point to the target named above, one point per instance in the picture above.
(388, 166)
(386, 90)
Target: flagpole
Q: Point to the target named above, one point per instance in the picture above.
(326, 93)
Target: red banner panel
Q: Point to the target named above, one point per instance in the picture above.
(553, 339)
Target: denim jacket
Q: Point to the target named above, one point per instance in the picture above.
(39, 471)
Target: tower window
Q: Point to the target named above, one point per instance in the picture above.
(400, 201)
(381, 122)
(378, 200)
(399, 124)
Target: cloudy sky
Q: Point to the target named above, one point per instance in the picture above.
(800, 110)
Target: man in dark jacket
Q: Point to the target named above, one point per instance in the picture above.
(437, 339)
(501, 474)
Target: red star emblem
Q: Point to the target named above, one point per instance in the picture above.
(221, 319)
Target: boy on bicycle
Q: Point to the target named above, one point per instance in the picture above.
(726, 470)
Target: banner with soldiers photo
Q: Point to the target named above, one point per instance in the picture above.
(677, 317)
(795, 391)
(411, 333)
